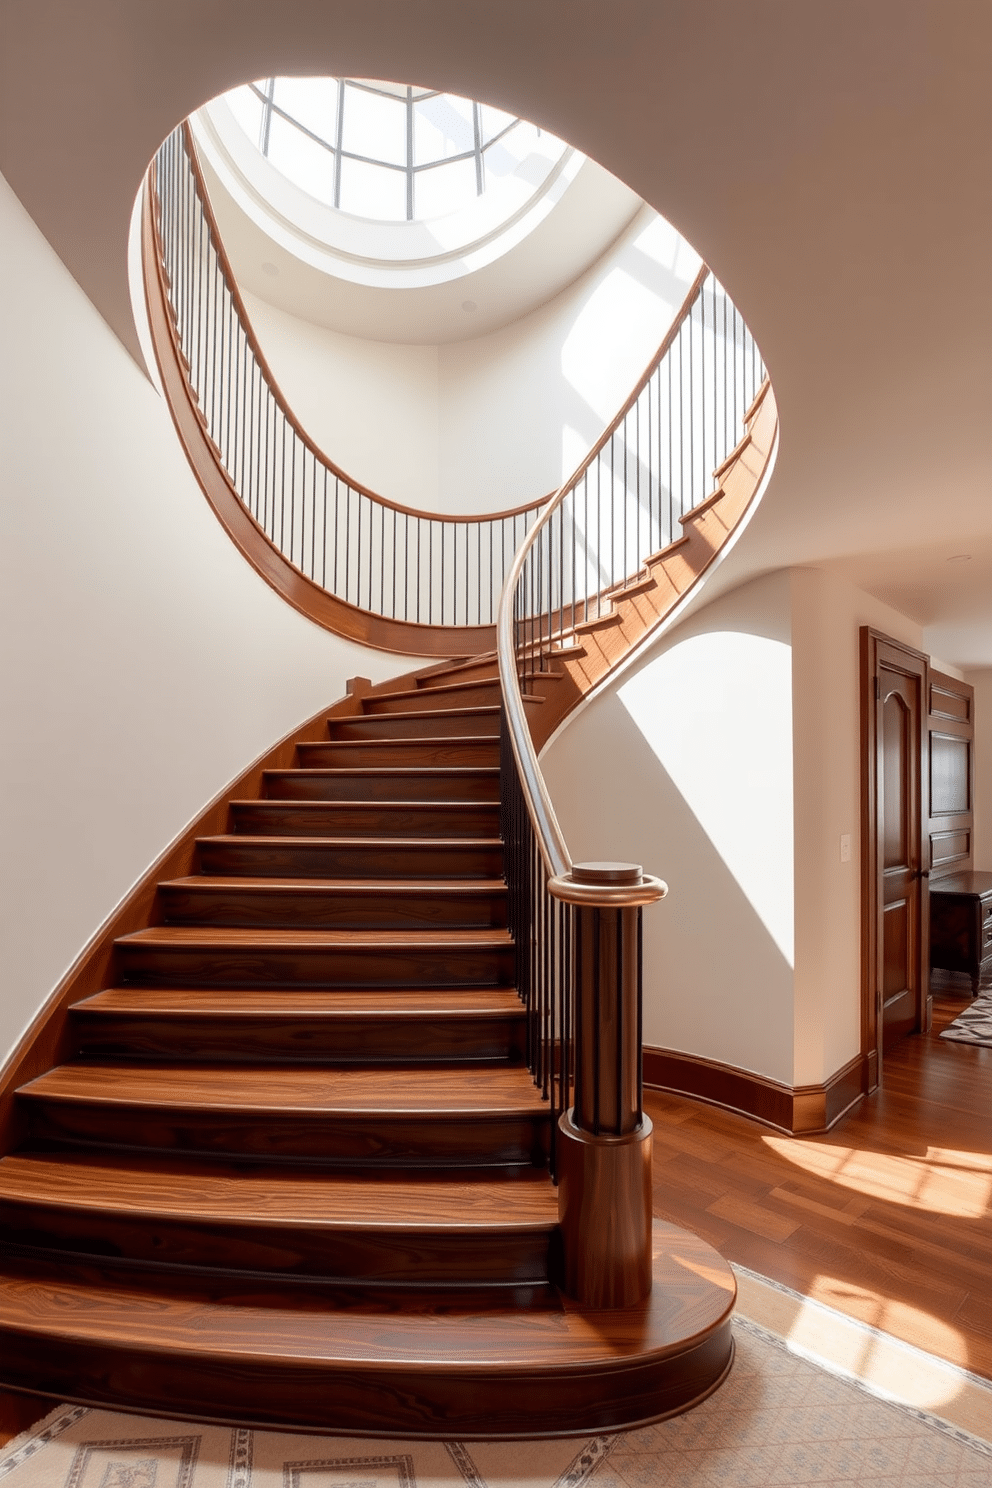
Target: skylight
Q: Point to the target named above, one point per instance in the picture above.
(388, 151)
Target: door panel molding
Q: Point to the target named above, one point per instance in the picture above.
(949, 818)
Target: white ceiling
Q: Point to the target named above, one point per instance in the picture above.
(831, 162)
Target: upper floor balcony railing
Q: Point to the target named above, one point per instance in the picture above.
(373, 569)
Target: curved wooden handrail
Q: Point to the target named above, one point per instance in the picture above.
(550, 837)
(568, 615)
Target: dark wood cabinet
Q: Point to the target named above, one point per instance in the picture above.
(961, 924)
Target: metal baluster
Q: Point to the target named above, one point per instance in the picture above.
(382, 561)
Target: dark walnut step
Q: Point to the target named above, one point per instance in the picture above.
(350, 858)
(281, 1356)
(392, 1117)
(437, 1229)
(470, 693)
(417, 724)
(381, 904)
(375, 819)
(444, 752)
(213, 956)
(474, 668)
(215, 1025)
(379, 783)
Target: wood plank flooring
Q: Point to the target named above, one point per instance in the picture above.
(887, 1218)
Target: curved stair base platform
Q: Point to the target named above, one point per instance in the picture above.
(220, 1349)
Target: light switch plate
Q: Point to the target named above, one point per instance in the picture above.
(845, 847)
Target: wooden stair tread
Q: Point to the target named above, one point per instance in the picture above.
(322, 887)
(241, 839)
(462, 664)
(629, 587)
(701, 507)
(488, 672)
(599, 622)
(455, 688)
(661, 554)
(279, 1002)
(443, 1091)
(433, 714)
(273, 805)
(381, 1201)
(377, 772)
(430, 740)
(81, 1304)
(250, 938)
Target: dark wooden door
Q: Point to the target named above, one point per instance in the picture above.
(895, 929)
(900, 845)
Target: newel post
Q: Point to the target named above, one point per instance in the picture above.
(604, 1140)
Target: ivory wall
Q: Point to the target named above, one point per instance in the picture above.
(727, 761)
(144, 664)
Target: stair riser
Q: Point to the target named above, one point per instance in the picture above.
(478, 695)
(349, 1140)
(259, 909)
(321, 966)
(422, 754)
(331, 860)
(482, 672)
(356, 1255)
(421, 725)
(331, 819)
(339, 1039)
(296, 785)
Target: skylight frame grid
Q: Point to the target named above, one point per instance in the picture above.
(265, 93)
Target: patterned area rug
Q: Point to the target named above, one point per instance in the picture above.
(974, 1025)
(778, 1420)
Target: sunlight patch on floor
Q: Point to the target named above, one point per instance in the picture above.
(940, 1181)
(866, 1350)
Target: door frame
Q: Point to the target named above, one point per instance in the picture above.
(874, 645)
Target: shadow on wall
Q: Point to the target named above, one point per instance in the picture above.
(520, 408)
(639, 295)
(686, 767)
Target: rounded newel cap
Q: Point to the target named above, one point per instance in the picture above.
(608, 885)
(607, 873)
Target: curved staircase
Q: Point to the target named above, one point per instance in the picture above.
(292, 1165)
(309, 1136)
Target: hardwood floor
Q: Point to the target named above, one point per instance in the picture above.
(887, 1218)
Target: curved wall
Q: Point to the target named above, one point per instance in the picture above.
(144, 663)
(726, 760)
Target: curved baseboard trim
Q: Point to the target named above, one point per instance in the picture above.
(801, 1110)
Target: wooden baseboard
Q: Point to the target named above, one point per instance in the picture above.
(802, 1110)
